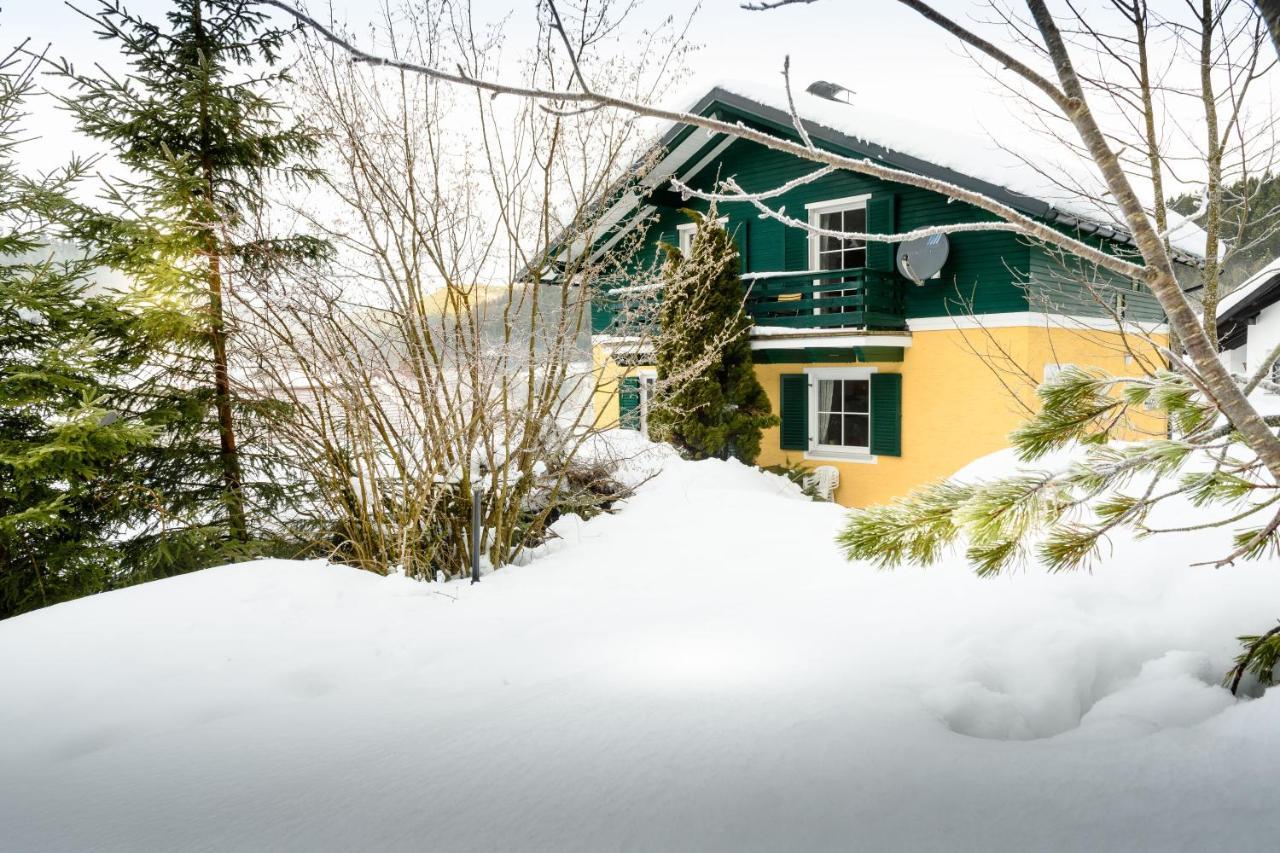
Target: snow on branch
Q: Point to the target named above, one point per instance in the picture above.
(737, 194)
(862, 166)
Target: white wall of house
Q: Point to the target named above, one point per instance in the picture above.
(1261, 337)
(1234, 359)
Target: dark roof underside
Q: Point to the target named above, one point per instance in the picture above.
(1233, 323)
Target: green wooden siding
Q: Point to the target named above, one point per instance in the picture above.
(886, 414)
(793, 403)
(986, 271)
(1070, 286)
(629, 403)
(741, 231)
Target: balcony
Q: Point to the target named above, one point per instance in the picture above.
(813, 300)
(826, 299)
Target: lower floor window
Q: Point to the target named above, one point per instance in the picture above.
(844, 413)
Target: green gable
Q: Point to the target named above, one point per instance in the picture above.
(986, 273)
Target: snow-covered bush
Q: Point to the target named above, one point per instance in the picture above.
(445, 353)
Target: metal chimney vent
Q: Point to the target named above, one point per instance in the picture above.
(831, 91)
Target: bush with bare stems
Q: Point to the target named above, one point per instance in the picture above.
(445, 353)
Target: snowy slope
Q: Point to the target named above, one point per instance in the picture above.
(699, 672)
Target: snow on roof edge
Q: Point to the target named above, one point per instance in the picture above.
(1249, 286)
(957, 151)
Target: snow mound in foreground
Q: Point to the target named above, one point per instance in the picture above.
(700, 671)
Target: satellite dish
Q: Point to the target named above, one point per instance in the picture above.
(923, 257)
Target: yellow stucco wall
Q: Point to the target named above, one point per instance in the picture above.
(963, 392)
(604, 399)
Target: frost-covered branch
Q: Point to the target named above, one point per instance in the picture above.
(1029, 225)
(737, 194)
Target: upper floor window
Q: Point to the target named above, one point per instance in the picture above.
(838, 253)
(685, 232)
(827, 252)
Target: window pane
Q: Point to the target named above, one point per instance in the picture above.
(856, 220)
(829, 429)
(855, 430)
(828, 395)
(856, 394)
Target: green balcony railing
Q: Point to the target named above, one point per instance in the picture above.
(827, 299)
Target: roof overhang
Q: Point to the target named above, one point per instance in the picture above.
(1233, 323)
(689, 150)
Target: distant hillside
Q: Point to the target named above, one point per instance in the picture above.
(65, 250)
(1259, 243)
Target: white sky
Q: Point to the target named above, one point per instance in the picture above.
(897, 63)
(891, 57)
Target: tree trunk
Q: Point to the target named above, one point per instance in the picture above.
(1270, 10)
(1213, 184)
(232, 478)
(1217, 381)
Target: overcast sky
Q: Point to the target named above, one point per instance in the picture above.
(891, 57)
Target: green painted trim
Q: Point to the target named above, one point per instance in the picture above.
(828, 355)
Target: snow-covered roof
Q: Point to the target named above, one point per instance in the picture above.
(1235, 310)
(1028, 183)
(1031, 177)
(1251, 287)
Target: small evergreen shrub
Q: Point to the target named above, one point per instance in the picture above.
(709, 403)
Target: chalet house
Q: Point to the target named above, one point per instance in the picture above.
(891, 382)
(1249, 321)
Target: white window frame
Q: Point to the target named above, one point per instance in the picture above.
(835, 205)
(644, 374)
(685, 232)
(815, 211)
(827, 452)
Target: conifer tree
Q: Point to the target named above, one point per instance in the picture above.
(69, 447)
(196, 127)
(720, 409)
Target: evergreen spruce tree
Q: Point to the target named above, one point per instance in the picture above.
(69, 449)
(716, 407)
(196, 128)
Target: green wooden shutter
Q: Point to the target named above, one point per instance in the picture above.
(886, 414)
(795, 249)
(881, 219)
(629, 403)
(794, 405)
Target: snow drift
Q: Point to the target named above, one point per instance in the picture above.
(702, 671)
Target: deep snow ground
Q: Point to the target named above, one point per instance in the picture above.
(702, 671)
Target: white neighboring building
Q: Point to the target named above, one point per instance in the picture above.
(1249, 320)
